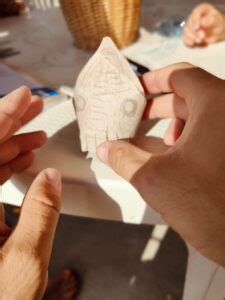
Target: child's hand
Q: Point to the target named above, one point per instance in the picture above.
(205, 25)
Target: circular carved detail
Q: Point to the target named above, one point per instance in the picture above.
(80, 103)
(129, 108)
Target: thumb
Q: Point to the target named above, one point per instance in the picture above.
(151, 174)
(39, 215)
(124, 158)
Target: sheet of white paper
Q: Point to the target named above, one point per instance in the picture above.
(10, 80)
(156, 51)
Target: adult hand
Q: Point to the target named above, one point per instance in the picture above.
(16, 151)
(186, 182)
(25, 251)
(205, 25)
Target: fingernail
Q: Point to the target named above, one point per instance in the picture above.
(41, 138)
(54, 178)
(103, 152)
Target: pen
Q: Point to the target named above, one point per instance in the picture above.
(140, 70)
(137, 68)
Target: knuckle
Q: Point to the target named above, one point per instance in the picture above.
(25, 90)
(125, 161)
(119, 157)
(186, 65)
(48, 202)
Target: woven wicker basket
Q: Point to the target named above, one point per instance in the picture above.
(90, 20)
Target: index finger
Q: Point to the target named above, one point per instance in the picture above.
(12, 108)
(167, 80)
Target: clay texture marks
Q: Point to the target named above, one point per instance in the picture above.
(109, 98)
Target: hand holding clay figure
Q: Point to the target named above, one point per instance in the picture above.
(185, 181)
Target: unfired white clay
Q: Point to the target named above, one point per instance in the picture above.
(109, 99)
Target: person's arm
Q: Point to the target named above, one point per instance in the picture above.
(25, 250)
(184, 180)
(205, 25)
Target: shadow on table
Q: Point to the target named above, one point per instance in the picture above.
(82, 195)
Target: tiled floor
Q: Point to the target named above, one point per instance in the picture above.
(107, 255)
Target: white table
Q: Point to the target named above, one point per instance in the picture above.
(90, 188)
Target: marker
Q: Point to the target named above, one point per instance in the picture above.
(43, 92)
(138, 69)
